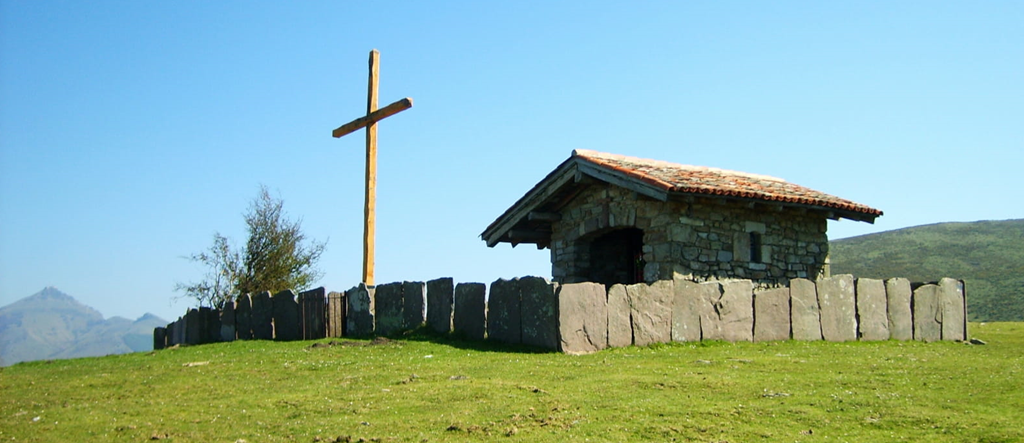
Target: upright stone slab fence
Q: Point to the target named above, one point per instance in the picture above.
(737, 310)
(440, 304)
(313, 314)
(898, 311)
(953, 309)
(159, 337)
(227, 322)
(335, 318)
(243, 317)
(685, 311)
(583, 317)
(469, 317)
(774, 318)
(805, 311)
(286, 316)
(504, 319)
(872, 310)
(650, 312)
(262, 316)
(587, 317)
(838, 308)
(359, 317)
(210, 325)
(414, 304)
(389, 307)
(194, 333)
(620, 328)
(538, 312)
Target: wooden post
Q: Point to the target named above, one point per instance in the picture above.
(370, 206)
(369, 121)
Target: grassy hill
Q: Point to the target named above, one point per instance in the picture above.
(988, 255)
(425, 389)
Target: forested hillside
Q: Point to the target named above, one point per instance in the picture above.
(988, 255)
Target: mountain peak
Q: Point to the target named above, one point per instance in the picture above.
(52, 324)
(150, 317)
(51, 298)
(52, 292)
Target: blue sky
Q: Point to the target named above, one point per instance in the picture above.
(130, 131)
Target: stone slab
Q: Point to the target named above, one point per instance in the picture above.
(651, 312)
(804, 310)
(211, 324)
(736, 310)
(172, 333)
(414, 301)
(177, 336)
(227, 321)
(262, 316)
(159, 338)
(772, 315)
(169, 335)
(686, 302)
(389, 307)
(620, 329)
(504, 312)
(179, 331)
(193, 327)
(440, 302)
(539, 312)
(470, 315)
(709, 307)
(287, 321)
(170, 341)
(838, 308)
(582, 317)
(312, 313)
(359, 311)
(953, 309)
(335, 319)
(927, 315)
(901, 322)
(243, 317)
(872, 310)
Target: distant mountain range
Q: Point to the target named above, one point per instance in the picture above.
(51, 324)
(988, 255)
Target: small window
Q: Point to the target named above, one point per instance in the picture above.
(755, 248)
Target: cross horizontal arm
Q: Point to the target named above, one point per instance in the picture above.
(372, 117)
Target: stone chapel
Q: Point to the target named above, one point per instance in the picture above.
(616, 219)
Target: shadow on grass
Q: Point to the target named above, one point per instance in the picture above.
(459, 341)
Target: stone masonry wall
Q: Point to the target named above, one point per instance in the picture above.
(696, 241)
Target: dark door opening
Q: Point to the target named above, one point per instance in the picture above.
(617, 257)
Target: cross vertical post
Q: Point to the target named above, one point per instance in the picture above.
(370, 203)
(369, 121)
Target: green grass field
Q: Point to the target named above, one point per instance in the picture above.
(427, 389)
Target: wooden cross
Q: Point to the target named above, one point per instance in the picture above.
(369, 121)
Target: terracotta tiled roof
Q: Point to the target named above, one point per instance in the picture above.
(655, 179)
(677, 178)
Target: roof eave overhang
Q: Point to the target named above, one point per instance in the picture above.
(501, 227)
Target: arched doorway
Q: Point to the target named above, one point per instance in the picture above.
(617, 257)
